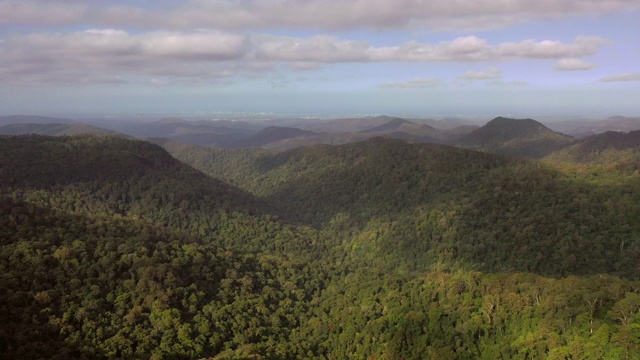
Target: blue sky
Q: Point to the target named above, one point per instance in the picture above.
(411, 57)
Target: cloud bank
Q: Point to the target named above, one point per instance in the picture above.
(318, 14)
(107, 54)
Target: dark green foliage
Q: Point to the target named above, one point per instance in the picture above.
(110, 248)
(99, 286)
(416, 205)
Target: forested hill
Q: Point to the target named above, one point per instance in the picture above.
(515, 137)
(607, 148)
(127, 175)
(110, 248)
(415, 203)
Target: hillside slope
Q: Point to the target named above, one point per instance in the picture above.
(606, 148)
(417, 204)
(110, 248)
(272, 134)
(523, 138)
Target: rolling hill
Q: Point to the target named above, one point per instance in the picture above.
(56, 130)
(111, 248)
(489, 212)
(609, 148)
(272, 134)
(105, 240)
(219, 133)
(525, 138)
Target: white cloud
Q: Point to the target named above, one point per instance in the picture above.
(31, 12)
(573, 64)
(105, 54)
(491, 73)
(313, 49)
(621, 77)
(414, 83)
(108, 53)
(318, 14)
(198, 45)
(470, 48)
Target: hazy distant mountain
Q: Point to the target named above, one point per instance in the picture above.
(348, 124)
(281, 138)
(394, 124)
(457, 132)
(29, 119)
(55, 130)
(221, 133)
(446, 123)
(406, 130)
(516, 137)
(600, 148)
(242, 134)
(581, 128)
(324, 138)
(272, 134)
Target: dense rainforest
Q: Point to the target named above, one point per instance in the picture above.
(117, 248)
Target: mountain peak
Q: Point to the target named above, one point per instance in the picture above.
(518, 137)
(392, 124)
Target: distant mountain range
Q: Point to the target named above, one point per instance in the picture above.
(55, 130)
(600, 148)
(28, 119)
(582, 128)
(506, 136)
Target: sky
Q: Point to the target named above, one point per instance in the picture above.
(397, 57)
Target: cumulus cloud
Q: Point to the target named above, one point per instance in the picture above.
(107, 53)
(415, 83)
(491, 73)
(313, 49)
(621, 77)
(318, 14)
(573, 64)
(469, 48)
(206, 54)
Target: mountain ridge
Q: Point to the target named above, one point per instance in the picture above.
(516, 137)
